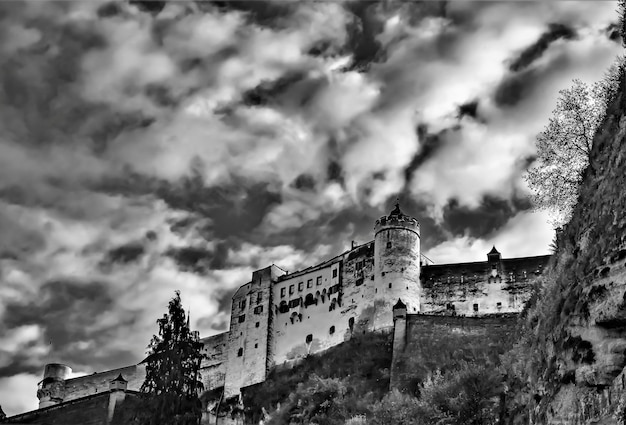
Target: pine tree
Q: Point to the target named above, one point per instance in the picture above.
(172, 383)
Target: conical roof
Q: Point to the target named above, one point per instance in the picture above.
(399, 304)
(493, 251)
(119, 378)
(396, 210)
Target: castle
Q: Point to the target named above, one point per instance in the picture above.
(280, 317)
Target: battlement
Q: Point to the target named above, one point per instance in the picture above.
(395, 219)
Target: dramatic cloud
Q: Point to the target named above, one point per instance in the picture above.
(148, 147)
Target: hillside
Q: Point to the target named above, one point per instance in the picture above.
(569, 367)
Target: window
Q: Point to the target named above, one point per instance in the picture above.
(240, 352)
(309, 283)
(300, 286)
(242, 304)
(331, 330)
(256, 345)
(282, 292)
(389, 285)
(359, 281)
(294, 303)
(242, 318)
(450, 306)
(283, 307)
(498, 306)
(291, 289)
(309, 338)
(257, 324)
(388, 245)
(335, 273)
(258, 309)
(319, 280)
(351, 323)
(475, 307)
(259, 297)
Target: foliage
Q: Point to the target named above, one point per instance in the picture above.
(563, 149)
(172, 379)
(469, 395)
(564, 146)
(360, 365)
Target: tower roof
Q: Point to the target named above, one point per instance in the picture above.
(119, 378)
(397, 210)
(493, 251)
(399, 304)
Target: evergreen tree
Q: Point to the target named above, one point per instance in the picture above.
(172, 383)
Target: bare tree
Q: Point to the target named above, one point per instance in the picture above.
(564, 146)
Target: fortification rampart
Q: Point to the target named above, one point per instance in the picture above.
(434, 342)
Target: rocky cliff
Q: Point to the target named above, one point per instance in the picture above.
(573, 354)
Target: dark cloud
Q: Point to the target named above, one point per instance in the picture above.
(613, 32)
(469, 109)
(533, 52)
(200, 260)
(68, 312)
(151, 6)
(304, 182)
(516, 87)
(492, 214)
(271, 14)
(125, 254)
(429, 145)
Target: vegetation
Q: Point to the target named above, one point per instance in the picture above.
(172, 381)
(564, 146)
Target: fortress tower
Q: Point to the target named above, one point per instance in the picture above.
(396, 266)
(51, 389)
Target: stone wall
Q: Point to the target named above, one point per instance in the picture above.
(437, 342)
(99, 382)
(475, 289)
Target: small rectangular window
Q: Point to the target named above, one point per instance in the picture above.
(335, 273)
(242, 318)
(282, 292)
(300, 286)
(291, 289)
(242, 304)
(257, 324)
(309, 338)
(359, 282)
(388, 245)
(258, 309)
(259, 297)
(475, 307)
(331, 330)
(319, 280)
(389, 285)
(499, 305)
(309, 283)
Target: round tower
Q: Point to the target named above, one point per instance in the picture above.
(51, 389)
(396, 265)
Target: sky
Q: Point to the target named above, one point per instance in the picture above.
(148, 147)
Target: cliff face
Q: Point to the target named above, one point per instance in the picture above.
(576, 332)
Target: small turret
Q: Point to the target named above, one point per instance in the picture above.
(493, 256)
(51, 389)
(118, 384)
(399, 310)
(117, 395)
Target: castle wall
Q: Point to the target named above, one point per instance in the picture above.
(306, 306)
(99, 382)
(437, 342)
(249, 341)
(475, 289)
(213, 367)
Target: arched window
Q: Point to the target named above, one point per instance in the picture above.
(309, 338)
(283, 307)
(240, 352)
(351, 323)
(331, 330)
